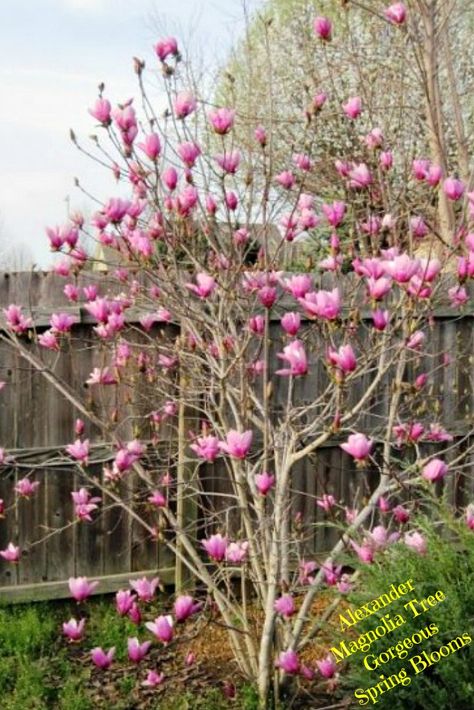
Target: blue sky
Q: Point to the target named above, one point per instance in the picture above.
(53, 54)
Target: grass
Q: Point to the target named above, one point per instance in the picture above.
(40, 671)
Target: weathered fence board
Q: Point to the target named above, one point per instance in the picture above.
(33, 416)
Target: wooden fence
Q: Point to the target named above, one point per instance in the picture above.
(36, 422)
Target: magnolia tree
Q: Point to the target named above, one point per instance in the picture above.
(222, 329)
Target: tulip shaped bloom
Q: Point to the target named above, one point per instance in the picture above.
(335, 213)
(453, 188)
(358, 446)
(435, 470)
(136, 650)
(101, 658)
(207, 448)
(166, 47)
(264, 482)
(401, 514)
(237, 444)
(189, 153)
(229, 162)
(322, 304)
(343, 359)
(236, 552)
(326, 502)
(145, 588)
(365, 552)
(11, 553)
(285, 606)
(153, 679)
(323, 28)
(288, 661)
(184, 607)
(396, 13)
(151, 146)
(291, 323)
(222, 120)
(101, 111)
(26, 488)
(206, 285)
(295, 356)
(81, 588)
(184, 104)
(353, 107)
(162, 628)
(124, 600)
(470, 516)
(327, 666)
(74, 630)
(416, 542)
(215, 547)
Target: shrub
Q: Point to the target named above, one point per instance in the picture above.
(448, 566)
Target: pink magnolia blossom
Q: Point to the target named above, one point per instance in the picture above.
(306, 572)
(322, 304)
(326, 502)
(353, 107)
(184, 104)
(215, 547)
(166, 47)
(206, 447)
(145, 588)
(157, 499)
(453, 188)
(416, 542)
(189, 152)
(84, 503)
(134, 614)
(358, 446)
(438, 433)
(402, 268)
(16, 321)
(401, 514)
(26, 488)
(261, 136)
(101, 376)
(153, 679)
(136, 650)
(327, 666)
(365, 552)
(418, 227)
(343, 359)
(386, 159)
(396, 13)
(151, 146)
(73, 629)
(378, 288)
(102, 659)
(101, 111)
(435, 470)
(190, 659)
(184, 607)
(380, 319)
(298, 285)
(360, 177)
(374, 139)
(458, 296)
(470, 516)
(169, 177)
(81, 588)
(11, 553)
(79, 450)
(288, 661)
(286, 179)
(162, 628)
(291, 323)
(264, 482)
(236, 552)
(416, 340)
(257, 324)
(2, 508)
(434, 175)
(285, 605)
(124, 600)
(222, 120)
(334, 213)
(302, 161)
(229, 162)
(323, 28)
(237, 444)
(295, 355)
(205, 287)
